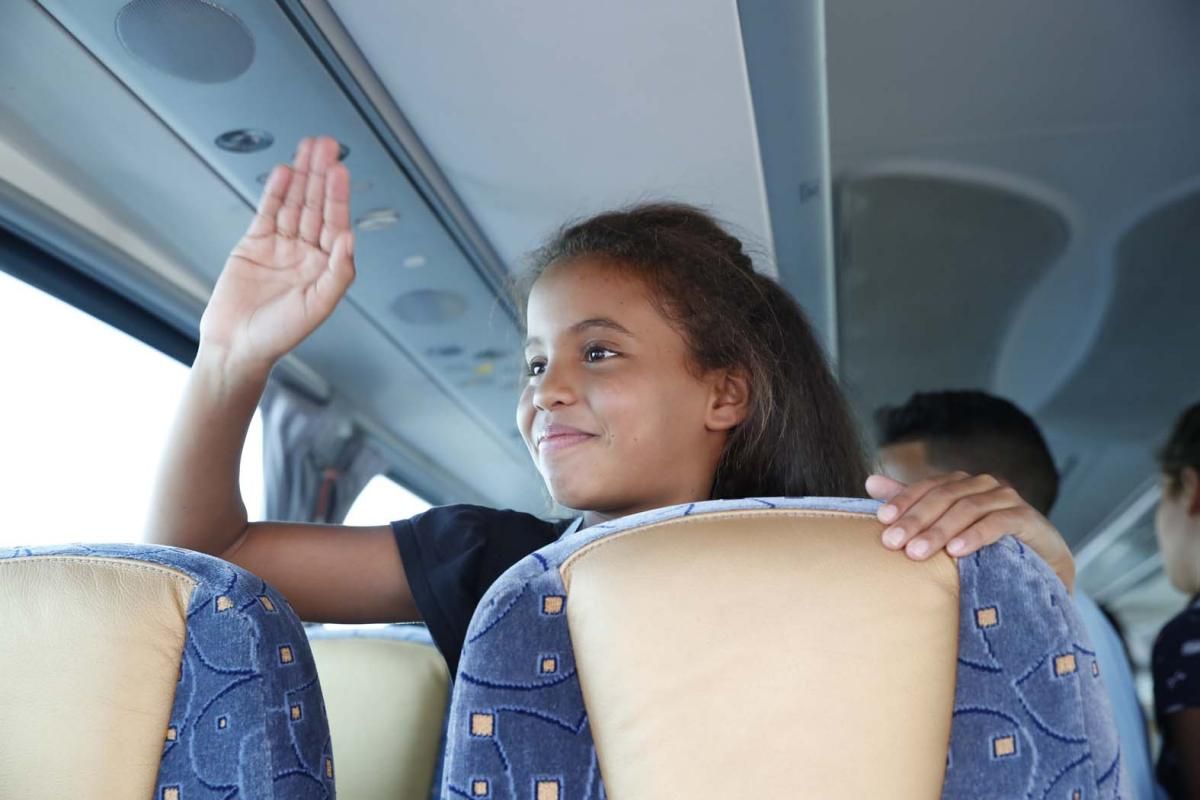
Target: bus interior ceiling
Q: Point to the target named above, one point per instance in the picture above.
(1004, 197)
(1019, 209)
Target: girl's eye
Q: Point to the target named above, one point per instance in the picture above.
(535, 367)
(595, 352)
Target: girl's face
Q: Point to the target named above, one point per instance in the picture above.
(1177, 526)
(615, 417)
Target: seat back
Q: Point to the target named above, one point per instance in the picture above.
(139, 671)
(1031, 714)
(774, 648)
(386, 691)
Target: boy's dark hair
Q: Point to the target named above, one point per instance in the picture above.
(976, 432)
(798, 437)
(1182, 449)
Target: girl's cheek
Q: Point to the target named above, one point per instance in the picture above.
(525, 412)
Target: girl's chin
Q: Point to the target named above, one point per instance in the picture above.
(569, 495)
(579, 501)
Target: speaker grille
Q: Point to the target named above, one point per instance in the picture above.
(191, 39)
(429, 306)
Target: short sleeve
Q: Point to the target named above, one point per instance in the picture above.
(453, 554)
(1176, 664)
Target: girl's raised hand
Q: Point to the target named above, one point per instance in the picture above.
(962, 513)
(295, 262)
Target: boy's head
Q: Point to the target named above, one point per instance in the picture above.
(972, 431)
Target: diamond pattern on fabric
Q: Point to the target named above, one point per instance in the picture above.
(1031, 719)
(233, 731)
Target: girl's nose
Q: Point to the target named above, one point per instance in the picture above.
(554, 389)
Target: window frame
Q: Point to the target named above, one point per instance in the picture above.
(43, 270)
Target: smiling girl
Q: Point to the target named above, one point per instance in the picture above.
(662, 369)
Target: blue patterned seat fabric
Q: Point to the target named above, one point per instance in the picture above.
(248, 719)
(1030, 716)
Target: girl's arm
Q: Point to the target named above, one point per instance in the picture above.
(282, 280)
(962, 513)
(1184, 729)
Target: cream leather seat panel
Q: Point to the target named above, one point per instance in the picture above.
(386, 702)
(90, 658)
(693, 702)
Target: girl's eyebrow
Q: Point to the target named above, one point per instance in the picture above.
(600, 322)
(580, 327)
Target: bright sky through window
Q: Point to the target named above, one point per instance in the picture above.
(84, 416)
(383, 500)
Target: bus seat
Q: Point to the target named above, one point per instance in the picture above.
(773, 648)
(386, 691)
(137, 671)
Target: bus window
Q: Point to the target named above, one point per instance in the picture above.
(83, 422)
(383, 500)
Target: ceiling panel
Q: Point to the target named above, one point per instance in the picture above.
(931, 272)
(1142, 360)
(942, 71)
(539, 112)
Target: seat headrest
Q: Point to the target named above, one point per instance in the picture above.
(769, 647)
(145, 671)
(702, 650)
(91, 656)
(386, 692)
(747, 653)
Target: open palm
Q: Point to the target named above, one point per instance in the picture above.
(286, 275)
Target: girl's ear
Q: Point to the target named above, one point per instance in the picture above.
(729, 404)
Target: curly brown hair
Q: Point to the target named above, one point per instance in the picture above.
(799, 437)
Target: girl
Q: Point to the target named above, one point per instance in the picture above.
(1176, 658)
(661, 369)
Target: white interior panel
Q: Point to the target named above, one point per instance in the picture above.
(543, 111)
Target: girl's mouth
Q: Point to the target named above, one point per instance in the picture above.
(554, 443)
(560, 437)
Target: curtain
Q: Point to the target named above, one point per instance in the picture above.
(315, 462)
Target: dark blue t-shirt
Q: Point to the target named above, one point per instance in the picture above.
(1176, 666)
(453, 554)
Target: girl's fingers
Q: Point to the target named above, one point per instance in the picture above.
(981, 534)
(1041, 536)
(909, 495)
(337, 205)
(334, 280)
(881, 487)
(274, 191)
(921, 504)
(962, 515)
(988, 530)
(314, 190)
(287, 221)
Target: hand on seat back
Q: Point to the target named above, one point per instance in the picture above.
(962, 513)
